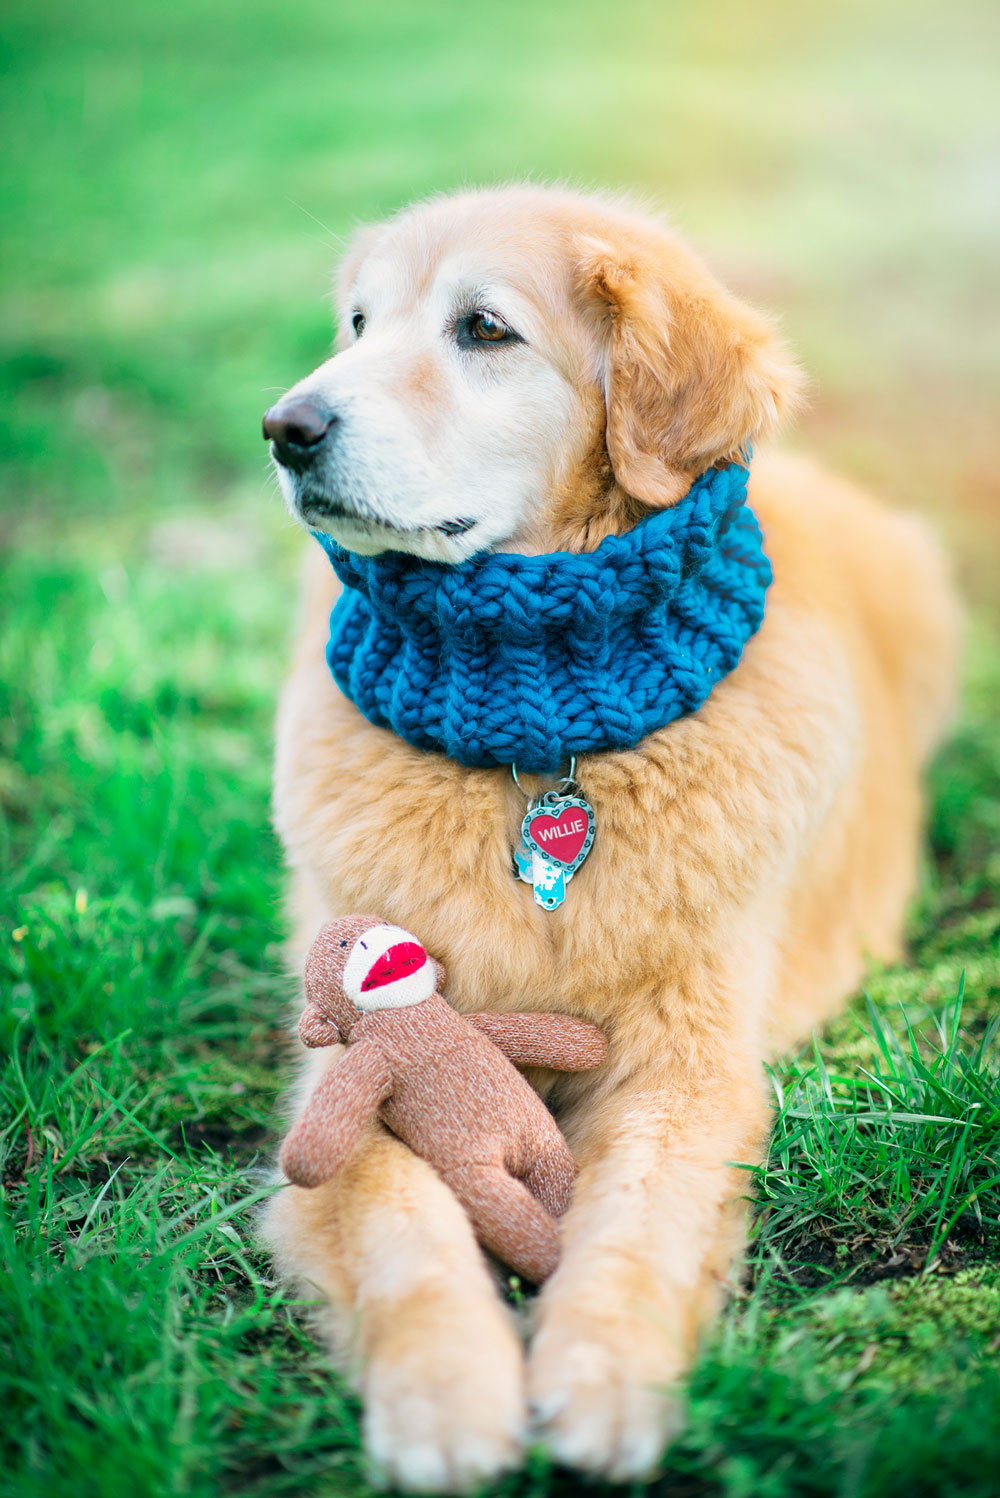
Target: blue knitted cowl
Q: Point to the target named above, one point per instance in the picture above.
(508, 659)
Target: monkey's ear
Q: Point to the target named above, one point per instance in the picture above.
(316, 1030)
(439, 974)
(691, 375)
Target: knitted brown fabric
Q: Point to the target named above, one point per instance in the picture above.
(443, 1084)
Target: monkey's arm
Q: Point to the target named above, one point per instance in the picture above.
(555, 1040)
(316, 1030)
(336, 1115)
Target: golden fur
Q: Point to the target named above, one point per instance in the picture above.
(750, 860)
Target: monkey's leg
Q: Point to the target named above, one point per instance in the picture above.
(508, 1220)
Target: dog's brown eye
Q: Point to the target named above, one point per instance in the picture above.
(358, 324)
(487, 329)
(476, 329)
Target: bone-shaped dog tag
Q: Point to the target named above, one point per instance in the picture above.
(549, 881)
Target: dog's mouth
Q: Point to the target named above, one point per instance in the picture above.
(319, 511)
(316, 508)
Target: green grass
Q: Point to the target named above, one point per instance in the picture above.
(162, 176)
(888, 1158)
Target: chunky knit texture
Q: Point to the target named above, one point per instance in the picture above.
(509, 659)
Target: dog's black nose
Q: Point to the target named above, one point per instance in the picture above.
(297, 427)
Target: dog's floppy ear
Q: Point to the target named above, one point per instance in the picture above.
(691, 375)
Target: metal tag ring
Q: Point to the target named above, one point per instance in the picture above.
(563, 783)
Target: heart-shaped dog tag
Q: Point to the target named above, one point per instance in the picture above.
(561, 829)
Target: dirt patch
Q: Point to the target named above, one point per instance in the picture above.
(822, 1262)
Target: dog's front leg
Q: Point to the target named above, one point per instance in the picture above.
(655, 1223)
(412, 1313)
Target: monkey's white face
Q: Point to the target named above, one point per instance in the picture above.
(388, 969)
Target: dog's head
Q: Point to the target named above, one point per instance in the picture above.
(521, 369)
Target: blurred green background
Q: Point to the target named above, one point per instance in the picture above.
(175, 183)
(176, 179)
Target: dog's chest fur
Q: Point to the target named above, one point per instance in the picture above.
(690, 835)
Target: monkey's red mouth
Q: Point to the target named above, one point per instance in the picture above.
(398, 962)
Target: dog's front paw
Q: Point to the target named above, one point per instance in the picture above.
(445, 1408)
(599, 1392)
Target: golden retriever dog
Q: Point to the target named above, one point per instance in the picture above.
(529, 370)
